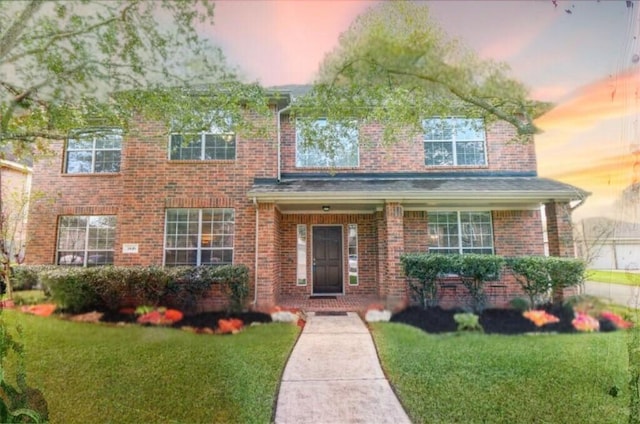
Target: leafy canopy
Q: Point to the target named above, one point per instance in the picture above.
(395, 66)
(62, 61)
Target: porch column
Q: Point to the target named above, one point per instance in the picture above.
(267, 266)
(395, 289)
(560, 237)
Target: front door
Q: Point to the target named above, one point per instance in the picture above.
(327, 260)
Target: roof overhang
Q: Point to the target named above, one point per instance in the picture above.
(370, 195)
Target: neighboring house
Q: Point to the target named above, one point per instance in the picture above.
(609, 244)
(15, 189)
(306, 223)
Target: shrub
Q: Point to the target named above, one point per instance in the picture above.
(565, 272)
(24, 278)
(423, 270)
(467, 322)
(474, 271)
(235, 284)
(533, 277)
(70, 290)
(519, 303)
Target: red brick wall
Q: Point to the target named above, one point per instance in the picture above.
(503, 154)
(147, 184)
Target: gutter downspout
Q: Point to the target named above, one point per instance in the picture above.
(279, 136)
(255, 288)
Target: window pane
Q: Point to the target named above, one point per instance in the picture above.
(78, 162)
(220, 146)
(353, 254)
(470, 153)
(186, 147)
(107, 161)
(90, 237)
(469, 129)
(301, 270)
(340, 146)
(438, 153)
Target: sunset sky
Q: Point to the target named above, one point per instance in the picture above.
(582, 61)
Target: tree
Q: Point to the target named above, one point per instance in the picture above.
(395, 66)
(73, 64)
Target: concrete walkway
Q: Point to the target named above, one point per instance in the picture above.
(333, 376)
(617, 293)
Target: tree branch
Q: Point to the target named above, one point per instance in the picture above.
(10, 36)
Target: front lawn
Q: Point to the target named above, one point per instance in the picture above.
(479, 378)
(614, 277)
(94, 373)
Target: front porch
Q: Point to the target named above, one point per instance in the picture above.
(338, 303)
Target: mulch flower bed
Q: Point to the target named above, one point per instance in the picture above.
(493, 321)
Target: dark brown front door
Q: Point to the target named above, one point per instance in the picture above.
(327, 260)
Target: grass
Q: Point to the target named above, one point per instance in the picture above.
(91, 373)
(614, 277)
(475, 378)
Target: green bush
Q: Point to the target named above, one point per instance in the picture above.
(565, 272)
(533, 277)
(235, 284)
(423, 271)
(24, 278)
(467, 322)
(70, 290)
(474, 271)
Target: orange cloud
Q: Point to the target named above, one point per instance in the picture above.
(609, 98)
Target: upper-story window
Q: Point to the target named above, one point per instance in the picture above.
(93, 150)
(454, 142)
(218, 143)
(340, 147)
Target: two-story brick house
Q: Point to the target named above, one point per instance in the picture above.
(306, 223)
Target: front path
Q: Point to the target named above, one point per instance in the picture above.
(334, 376)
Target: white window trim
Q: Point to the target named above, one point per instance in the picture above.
(301, 275)
(81, 131)
(459, 222)
(327, 164)
(454, 143)
(203, 136)
(86, 249)
(198, 248)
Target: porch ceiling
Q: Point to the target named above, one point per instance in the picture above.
(368, 195)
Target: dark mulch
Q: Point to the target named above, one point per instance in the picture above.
(201, 320)
(493, 321)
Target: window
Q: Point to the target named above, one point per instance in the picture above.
(93, 151)
(338, 146)
(203, 146)
(301, 270)
(86, 240)
(353, 254)
(454, 141)
(460, 232)
(199, 237)
(218, 143)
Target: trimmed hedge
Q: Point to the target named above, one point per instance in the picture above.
(77, 289)
(536, 275)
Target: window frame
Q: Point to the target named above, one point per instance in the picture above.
(454, 140)
(302, 238)
(76, 134)
(328, 161)
(353, 255)
(460, 248)
(203, 145)
(199, 248)
(86, 242)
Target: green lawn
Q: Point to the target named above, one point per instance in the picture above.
(615, 277)
(475, 378)
(93, 373)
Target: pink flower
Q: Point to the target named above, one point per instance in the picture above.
(586, 323)
(540, 318)
(616, 319)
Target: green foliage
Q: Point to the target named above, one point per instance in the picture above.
(70, 290)
(395, 66)
(77, 65)
(22, 403)
(519, 304)
(474, 271)
(532, 276)
(565, 272)
(423, 271)
(24, 278)
(467, 322)
(235, 283)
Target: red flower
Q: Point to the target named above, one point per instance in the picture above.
(616, 319)
(540, 318)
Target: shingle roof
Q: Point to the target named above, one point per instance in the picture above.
(422, 188)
